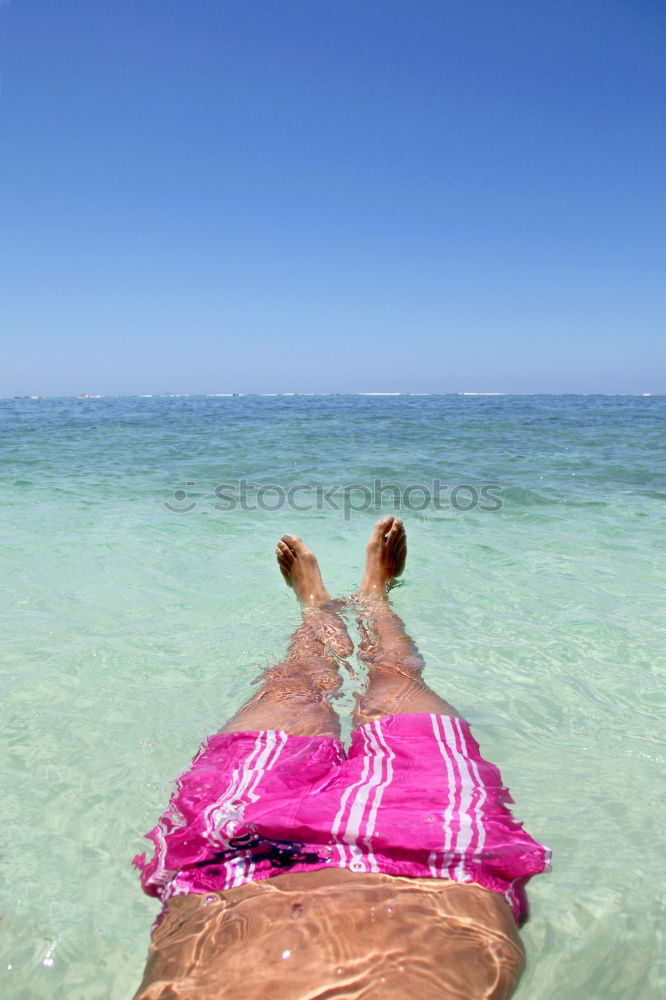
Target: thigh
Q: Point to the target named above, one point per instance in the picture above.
(391, 692)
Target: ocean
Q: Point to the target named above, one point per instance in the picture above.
(141, 600)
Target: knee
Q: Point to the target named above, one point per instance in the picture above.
(310, 687)
(392, 665)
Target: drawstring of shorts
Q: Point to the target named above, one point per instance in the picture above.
(281, 853)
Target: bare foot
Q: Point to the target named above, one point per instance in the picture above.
(384, 557)
(300, 569)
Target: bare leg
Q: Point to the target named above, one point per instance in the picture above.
(294, 695)
(395, 685)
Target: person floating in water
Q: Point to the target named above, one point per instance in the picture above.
(291, 869)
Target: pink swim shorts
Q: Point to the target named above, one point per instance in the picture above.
(413, 796)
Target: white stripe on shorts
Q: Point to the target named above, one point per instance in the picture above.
(361, 800)
(448, 809)
(267, 748)
(352, 851)
(388, 756)
(465, 829)
(244, 871)
(480, 802)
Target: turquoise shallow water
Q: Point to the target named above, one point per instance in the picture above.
(133, 626)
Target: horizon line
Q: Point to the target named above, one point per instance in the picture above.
(229, 395)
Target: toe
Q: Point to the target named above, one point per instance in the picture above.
(395, 530)
(297, 545)
(292, 544)
(381, 528)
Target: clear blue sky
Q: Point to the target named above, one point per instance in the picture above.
(332, 195)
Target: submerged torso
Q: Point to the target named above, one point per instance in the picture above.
(332, 933)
